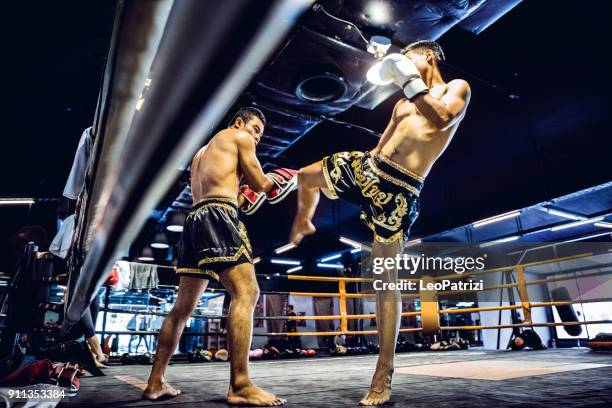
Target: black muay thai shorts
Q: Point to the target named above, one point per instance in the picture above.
(213, 240)
(387, 193)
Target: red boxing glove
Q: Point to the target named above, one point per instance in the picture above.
(252, 200)
(285, 181)
(113, 278)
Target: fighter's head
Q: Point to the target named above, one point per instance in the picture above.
(251, 120)
(425, 54)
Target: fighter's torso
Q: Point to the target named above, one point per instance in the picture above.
(416, 143)
(214, 169)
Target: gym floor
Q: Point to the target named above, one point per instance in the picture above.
(548, 378)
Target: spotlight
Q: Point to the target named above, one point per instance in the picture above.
(378, 12)
(378, 46)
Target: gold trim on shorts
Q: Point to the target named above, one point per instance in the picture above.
(398, 236)
(326, 176)
(241, 251)
(212, 274)
(401, 168)
(394, 180)
(225, 199)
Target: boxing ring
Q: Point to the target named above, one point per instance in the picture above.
(430, 312)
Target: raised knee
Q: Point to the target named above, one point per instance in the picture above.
(301, 175)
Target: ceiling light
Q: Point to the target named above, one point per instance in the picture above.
(356, 250)
(378, 12)
(564, 214)
(587, 237)
(256, 260)
(146, 255)
(16, 201)
(285, 262)
(177, 220)
(284, 248)
(500, 241)
(160, 241)
(575, 224)
(297, 268)
(330, 257)
(330, 266)
(496, 218)
(350, 242)
(414, 242)
(603, 224)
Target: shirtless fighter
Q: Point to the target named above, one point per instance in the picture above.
(215, 245)
(385, 182)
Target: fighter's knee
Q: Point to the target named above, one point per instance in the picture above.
(253, 294)
(302, 175)
(181, 312)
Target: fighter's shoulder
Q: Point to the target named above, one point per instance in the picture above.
(458, 86)
(236, 136)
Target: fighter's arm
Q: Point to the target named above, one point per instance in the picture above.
(388, 132)
(249, 164)
(448, 110)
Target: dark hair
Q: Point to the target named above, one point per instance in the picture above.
(248, 113)
(423, 45)
(291, 306)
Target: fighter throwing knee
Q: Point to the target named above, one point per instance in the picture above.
(215, 245)
(386, 181)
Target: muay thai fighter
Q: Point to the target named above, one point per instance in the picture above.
(215, 245)
(386, 181)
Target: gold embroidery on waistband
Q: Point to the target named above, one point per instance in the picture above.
(212, 199)
(213, 204)
(394, 180)
(400, 168)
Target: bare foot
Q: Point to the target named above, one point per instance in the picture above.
(159, 390)
(300, 229)
(380, 390)
(252, 395)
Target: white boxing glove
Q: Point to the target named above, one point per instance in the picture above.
(398, 68)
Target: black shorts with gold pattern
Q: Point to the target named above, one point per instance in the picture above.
(387, 193)
(213, 239)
